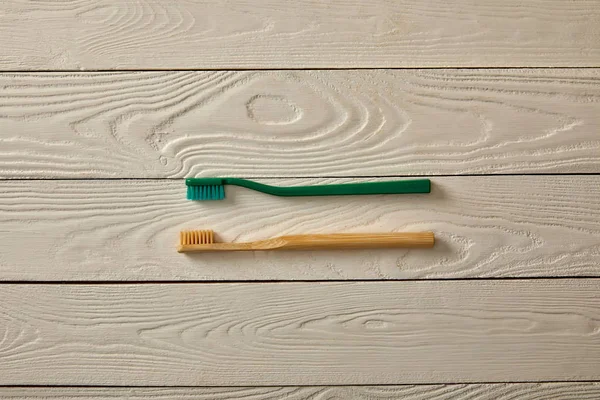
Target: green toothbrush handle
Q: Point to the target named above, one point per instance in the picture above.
(390, 187)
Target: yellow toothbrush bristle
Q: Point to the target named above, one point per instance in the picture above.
(196, 237)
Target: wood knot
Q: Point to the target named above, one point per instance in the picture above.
(272, 110)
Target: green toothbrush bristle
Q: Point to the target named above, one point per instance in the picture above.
(211, 192)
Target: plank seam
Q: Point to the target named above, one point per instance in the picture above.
(311, 177)
(86, 70)
(308, 281)
(299, 386)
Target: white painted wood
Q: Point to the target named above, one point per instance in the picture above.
(513, 391)
(299, 123)
(300, 333)
(207, 34)
(499, 226)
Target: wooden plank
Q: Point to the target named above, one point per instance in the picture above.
(299, 123)
(300, 333)
(503, 226)
(510, 391)
(208, 34)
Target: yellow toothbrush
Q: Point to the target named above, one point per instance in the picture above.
(194, 241)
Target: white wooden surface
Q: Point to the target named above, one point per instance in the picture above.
(127, 230)
(267, 120)
(514, 391)
(300, 333)
(299, 123)
(207, 34)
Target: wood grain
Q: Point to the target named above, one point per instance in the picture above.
(300, 333)
(520, 391)
(209, 34)
(501, 226)
(299, 123)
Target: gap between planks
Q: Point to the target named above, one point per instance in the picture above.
(354, 177)
(508, 391)
(283, 69)
(262, 282)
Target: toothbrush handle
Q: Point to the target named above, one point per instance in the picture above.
(363, 188)
(356, 241)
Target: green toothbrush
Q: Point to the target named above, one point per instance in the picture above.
(214, 188)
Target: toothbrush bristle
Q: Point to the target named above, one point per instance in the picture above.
(196, 237)
(212, 192)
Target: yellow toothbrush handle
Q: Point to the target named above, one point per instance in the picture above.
(356, 241)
